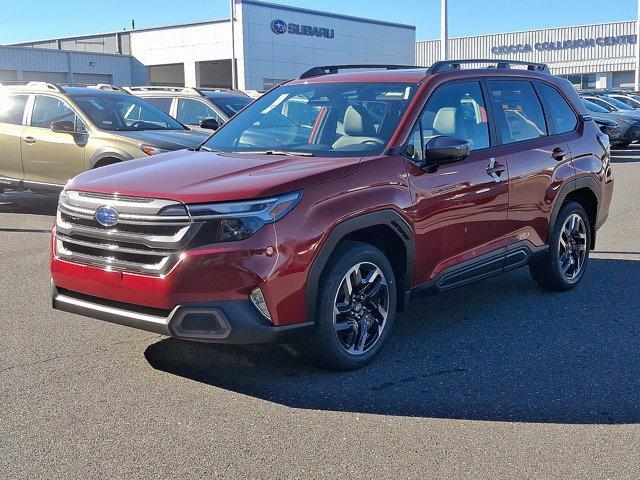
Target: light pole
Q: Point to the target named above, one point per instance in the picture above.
(444, 38)
(637, 82)
(234, 74)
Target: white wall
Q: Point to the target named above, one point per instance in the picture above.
(185, 44)
(267, 55)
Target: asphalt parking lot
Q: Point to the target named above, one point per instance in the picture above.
(494, 380)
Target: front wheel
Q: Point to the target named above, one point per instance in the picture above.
(356, 307)
(563, 265)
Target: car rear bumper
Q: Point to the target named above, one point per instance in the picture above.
(231, 322)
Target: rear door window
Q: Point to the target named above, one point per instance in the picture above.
(47, 110)
(12, 108)
(562, 115)
(517, 109)
(163, 103)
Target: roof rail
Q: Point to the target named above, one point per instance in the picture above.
(448, 65)
(333, 69)
(45, 86)
(33, 84)
(107, 86)
(160, 88)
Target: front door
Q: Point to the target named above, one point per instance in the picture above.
(52, 157)
(459, 208)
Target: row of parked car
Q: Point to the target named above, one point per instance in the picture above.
(617, 112)
(50, 133)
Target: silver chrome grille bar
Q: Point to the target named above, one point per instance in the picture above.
(149, 236)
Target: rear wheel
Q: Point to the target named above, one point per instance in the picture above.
(564, 264)
(356, 307)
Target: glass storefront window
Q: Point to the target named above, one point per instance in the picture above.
(582, 81)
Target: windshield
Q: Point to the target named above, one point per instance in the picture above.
(231, 105)
(617, 103)
(118, 112)
(325, 119)
(592, 107)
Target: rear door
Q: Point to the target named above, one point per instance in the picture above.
(460, 208)
(12, 109)
(539, 162)
(52, 157)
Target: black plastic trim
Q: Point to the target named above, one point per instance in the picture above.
(380, 217)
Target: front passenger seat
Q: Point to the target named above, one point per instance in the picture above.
(359, 128)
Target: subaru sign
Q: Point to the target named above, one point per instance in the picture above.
(280, 26)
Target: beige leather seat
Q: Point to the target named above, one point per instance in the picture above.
(358, 126)
(448, 122)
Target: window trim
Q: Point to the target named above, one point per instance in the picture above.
(520, 142)
(547, 108)
(493, 139)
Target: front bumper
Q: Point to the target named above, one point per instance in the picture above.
(230, 322)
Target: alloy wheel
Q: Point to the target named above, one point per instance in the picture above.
(361, 308)
(572, 248)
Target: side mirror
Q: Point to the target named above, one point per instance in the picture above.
(63, 126)
(444, 149)
(210, 124)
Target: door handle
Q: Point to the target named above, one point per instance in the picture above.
(558, 153)
(494, 169)
(29, 140)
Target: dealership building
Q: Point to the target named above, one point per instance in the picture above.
(273, 43)
(590, 56)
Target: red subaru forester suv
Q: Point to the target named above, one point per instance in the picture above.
(317, 212)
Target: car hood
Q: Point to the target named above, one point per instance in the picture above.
(167, 139)
(195, 177)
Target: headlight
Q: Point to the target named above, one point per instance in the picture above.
(150, 150)
(232, 221)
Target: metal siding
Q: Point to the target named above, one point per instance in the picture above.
(578, 60)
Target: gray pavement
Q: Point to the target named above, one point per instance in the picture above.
(495, 380)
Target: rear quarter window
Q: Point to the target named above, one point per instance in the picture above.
(12, 108)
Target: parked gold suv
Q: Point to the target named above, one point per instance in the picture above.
(50, 133)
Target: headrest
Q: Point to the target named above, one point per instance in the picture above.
(358, 122)
(445, 121)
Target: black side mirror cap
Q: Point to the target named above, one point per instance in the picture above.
(443, 149)
(210, 124)
(63, 126)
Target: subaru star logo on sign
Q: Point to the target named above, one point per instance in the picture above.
(107, 216)
(279, 26)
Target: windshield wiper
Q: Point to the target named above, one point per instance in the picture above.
(278, 152)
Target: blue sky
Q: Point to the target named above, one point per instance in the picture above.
(38, 19)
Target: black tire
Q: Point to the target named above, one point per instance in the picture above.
(327, 344)
(548, 270)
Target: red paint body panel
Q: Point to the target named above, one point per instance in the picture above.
(456, 213)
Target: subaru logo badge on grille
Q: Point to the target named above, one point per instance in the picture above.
(279, 26)
(107, 216)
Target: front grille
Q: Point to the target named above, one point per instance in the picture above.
(149, 237)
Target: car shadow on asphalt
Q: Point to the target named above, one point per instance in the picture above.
(502, 350)
(28, 203)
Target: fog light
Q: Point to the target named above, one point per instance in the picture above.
(258, 300)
